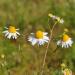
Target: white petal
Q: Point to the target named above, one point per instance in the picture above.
(6, 34)
(46, 38)
(31, 33)
(30, 38)
(9, 36)
(54, 17)
(63, 44)
(45, 33)
(5, 31)
(59, 42)
(40, 42)
(34, 41)
(17, 29)
(5, 27)
(17, 33)
(14, 36)
(45, 41)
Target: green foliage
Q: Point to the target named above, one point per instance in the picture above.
(29, 15)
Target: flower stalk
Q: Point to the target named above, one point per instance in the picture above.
(50, 37)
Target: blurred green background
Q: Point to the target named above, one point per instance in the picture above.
(21, 58)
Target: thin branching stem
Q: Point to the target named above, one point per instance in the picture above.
(50, 37)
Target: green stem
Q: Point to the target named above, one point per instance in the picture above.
(47, 48)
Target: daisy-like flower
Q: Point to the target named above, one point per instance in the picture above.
(11, 32)
(67, 71)
(39, 37)
(56, 18)
(65, 42)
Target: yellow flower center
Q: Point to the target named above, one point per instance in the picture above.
(39, 34)
(65, 37)
(67, 72)
(12, 29)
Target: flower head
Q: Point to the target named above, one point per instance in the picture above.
(39, 37)
(67, 71)
(65, 42)
(63, 65)
(52, 16)
(60, 20)
(11, 32)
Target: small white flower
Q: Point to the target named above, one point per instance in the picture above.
(67, 72)
(39, 37)
(65, 42)
(52, 16)
(56, 18)
(11, 32)
(60, 20)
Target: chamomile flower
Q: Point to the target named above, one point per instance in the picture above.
(60, 20)
(38, 38)
(11, 32)
(67, 71)
(65, 42)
